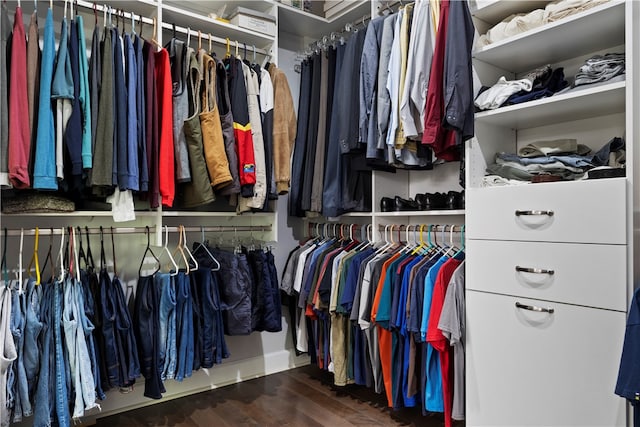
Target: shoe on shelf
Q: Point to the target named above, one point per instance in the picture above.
(421, 200)
(405, 204)
(387, 204)
(453, 200)
(461, 200)
(434, 201)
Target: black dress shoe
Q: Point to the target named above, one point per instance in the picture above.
(405, 205)
(461, 200)
(435, 201)
(421, 200)
(453, 200)
(386, 204)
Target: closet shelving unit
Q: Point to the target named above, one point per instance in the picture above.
(578, 237)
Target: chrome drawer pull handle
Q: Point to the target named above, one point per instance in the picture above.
(534, 308)
(534, 270)
(519, 213)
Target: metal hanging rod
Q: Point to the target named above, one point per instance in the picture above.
(434, 227)
(103, 8)
(56, 231)
(219, 40)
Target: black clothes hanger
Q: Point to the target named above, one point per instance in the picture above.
(144, 255)
(103, 259)
(81, 254)
(113, 251)
(91, 265)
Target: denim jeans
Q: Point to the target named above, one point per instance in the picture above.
(86, 305)
(108, 329)
(61, 391)
(184, 326)
(145, 321)
(198, 321)
(22, 406)
(7, 350)
(167, 341)
(125, 339)
(234, 278)
(32, 330)
(46, 376)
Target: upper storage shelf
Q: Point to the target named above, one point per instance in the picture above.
(194, 15)
(592, 30)
(305, 24)
(581, 104)
(494, 11)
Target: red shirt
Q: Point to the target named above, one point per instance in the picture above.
(166, 164)
(437, 339)
(441, 140)
(19, 132)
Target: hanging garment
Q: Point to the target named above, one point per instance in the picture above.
(368, 88)
(214, 149)
(141, 132)
(95, 80)
(266, 110)
(73, 138)
(260, 187)
(33, 82)
(131, 172)
(101, 173)
(311, 132)
(62, 95)
(84, 96)
(284, 128)
(19, 389)
(384, 99)
(299, 153)
(32, 336)
(119, 172)
(166, 181)
(5, 35)
(19, 130)
(179, 68)
(184, 327)
(321, 141)
(198, 191)
(7, 350)
(146, 326)
(241, 126)
(223, 103)
(151, 123)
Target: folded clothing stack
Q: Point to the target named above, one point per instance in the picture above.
(540, 83)
(600, 68)
(562, 159)
(521, 22)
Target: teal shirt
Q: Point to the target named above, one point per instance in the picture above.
(84, 97)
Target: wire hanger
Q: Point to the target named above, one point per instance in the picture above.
(61, 255)
(165, 249)
(150, 251)
(199, 39)
(202, 245)
(113, 251)
(48, 257)
(254, 53)
(34, 257)
(20, 259)
(179, 248)
(188, 36)
(81, 253)
(185, 246)
(210, 40)
(133, 23)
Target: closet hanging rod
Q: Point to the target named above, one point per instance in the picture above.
(16, 232)
(101, 8)
(215, 39)
(434, 227)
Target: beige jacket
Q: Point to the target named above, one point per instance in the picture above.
(284, 128)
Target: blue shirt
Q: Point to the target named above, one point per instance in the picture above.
(131, 174)
(628, 385)
(44, 169)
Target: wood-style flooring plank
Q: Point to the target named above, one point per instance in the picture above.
(302, 397)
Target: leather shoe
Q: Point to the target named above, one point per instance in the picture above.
(435, 201)
(386, 204)
(405, 205)
(453, 200)
(421, 200)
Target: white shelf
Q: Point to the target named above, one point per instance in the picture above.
(76, 214)
(304, 24)
(580, 104)
(198, 20)
(437, 212)
(494, 11)
(592, 30)
(205, 214)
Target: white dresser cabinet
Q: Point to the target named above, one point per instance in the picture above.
(548, 264)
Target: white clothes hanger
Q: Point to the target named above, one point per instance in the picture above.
(165, 249)
(186, 248)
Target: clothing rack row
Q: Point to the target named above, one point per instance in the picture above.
(336, 36)
(106, 9)
(133, 230)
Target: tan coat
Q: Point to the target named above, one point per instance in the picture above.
(284, 128)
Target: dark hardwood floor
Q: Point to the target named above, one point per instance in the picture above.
(299, 397)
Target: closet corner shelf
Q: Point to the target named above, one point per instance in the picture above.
(304, 24)
(594, 29)
(442, 212)
(494, 11)
(581, 104)
(199, 20)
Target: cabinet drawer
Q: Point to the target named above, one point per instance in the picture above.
(591, 275)
(591, 211)
(526, 368)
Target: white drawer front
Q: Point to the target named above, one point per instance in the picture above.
(591, 275)
(582, 212)
(526, 368)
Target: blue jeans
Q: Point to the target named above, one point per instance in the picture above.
(44, 393)
(22, 406)
(125, 340)
(90, 329)
(167, 336)
(184, 326)
(198, 321)
(145, 323)
(32, 330)
(61, 391)
(8, 352)
(108, 329)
